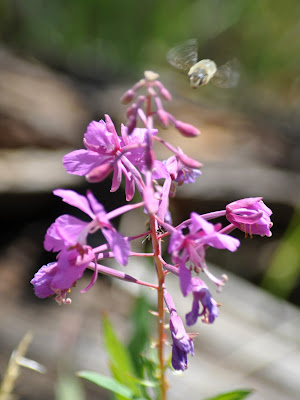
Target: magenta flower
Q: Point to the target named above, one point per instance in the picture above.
(67, 230)
(68, 235)
(179, 172)
(250, 215)
(106, 152)
(59, 277)
(191, 247)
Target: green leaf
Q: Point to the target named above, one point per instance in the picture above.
(278, 279)
(235, 395)
(108, 383)
(119, 377)
(119, 357)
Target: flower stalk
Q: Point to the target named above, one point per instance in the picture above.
(131, 157)
(156, 244)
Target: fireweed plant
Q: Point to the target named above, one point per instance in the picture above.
(131, 156)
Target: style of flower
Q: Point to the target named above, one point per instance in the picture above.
(107, 152)
(68, 235)
(250, 215)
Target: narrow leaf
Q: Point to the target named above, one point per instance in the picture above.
(108, 383)
(119, 357)
(235, 395)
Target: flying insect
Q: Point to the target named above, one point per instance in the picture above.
(185, 58)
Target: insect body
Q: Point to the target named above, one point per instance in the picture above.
(202, 72)
(185, 58)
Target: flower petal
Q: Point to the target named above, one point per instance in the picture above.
(81, 162)
(118, 244)
(64, 231)
(75, 199)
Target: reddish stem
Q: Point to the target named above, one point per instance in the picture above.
(160, 305)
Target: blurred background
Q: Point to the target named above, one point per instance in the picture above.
(65, 63)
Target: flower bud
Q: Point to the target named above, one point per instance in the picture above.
(149, 159)
(132, 110)
(186, 130)
(165, 94)
(98, 174)
(163, 117)
(250, 215)
(163, 91)
(131, 125)
(188, 161)
(127, 96)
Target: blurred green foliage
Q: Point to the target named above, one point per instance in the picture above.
(133, 372)
(118, 37)
(126, 383)
(282, 275)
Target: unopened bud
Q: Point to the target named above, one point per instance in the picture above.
(149, 159)
(163, 117)
(185, 129)
(188, 161)
(131, 110)
(131, 125)
(127, 97)
(163, 91)
(166, 94)
(98, 174)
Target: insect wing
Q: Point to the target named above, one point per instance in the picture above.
(227, 75)
(184, 56)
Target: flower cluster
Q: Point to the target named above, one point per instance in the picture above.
(131, 156)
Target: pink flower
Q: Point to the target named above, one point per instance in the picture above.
(106, 152)
(179, 172)
(190, 248)
(58, 277)
(250, 215)
(68, 236)
(67, 230)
